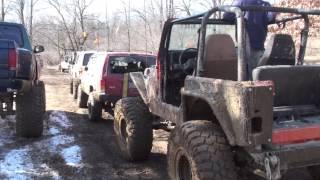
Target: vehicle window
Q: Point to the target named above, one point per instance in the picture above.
(185, 36)
(148, 60)
(91, 61)
(126, 64)
(11, 33)
(86, 58)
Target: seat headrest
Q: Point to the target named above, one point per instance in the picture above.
(220, 47)
(220, 58)
(280, 50)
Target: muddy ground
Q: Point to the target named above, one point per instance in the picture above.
(72, 147)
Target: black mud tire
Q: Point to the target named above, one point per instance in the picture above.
(31, 107)
(133, 128)
(75, 85)
(71, 86)
(82, 99)
(94, 109)
(199, 150)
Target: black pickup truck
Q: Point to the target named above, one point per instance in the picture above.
(21, 91)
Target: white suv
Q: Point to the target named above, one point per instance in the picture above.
(65, 64)
(80, 63)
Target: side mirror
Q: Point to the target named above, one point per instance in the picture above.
(38, 49)
(86, 68)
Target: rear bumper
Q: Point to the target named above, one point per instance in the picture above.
(107, 99)
(102, 97)
(293, 156)
(19, 85)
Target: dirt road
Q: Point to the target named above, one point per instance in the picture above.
(72, 147)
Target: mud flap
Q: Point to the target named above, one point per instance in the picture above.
(125, 85)
(138, 81)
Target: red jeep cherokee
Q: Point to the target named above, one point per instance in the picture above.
(106, 80)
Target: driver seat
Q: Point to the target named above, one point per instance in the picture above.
(220, 57)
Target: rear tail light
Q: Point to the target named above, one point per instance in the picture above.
(102, 85)
(158, 67)
(12, 59)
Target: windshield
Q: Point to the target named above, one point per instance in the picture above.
(133, 63)
(185, 36)
(11, 33)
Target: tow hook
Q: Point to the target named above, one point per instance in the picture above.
(272, 165)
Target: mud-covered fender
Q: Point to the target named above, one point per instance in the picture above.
(236, 105)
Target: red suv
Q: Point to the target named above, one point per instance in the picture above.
(106, 80)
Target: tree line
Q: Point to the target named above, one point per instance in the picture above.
(72, 27)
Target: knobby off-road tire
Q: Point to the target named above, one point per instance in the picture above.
(133, 128)
(94, 109)
(71, 86)
(199, 150)
(31, 107)
(82, 99)
(75, 89)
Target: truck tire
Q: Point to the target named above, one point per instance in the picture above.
(31, 107)
(71, 86)
(94, 109)
(75, 85)
(200, 150)
(82, 98)
(133, 129)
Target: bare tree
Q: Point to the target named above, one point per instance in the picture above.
(32, 5)
(59, 9)
(19, 7)
(185, 6)
(5, 7)
(81, 7)
(127, 11)
(107, 27)
(2, 10)
(209, 4)
(170, 9)
(73, 18)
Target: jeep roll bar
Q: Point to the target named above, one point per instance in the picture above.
(238, 10)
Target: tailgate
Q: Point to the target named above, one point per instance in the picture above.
(114, 85)
(120, 85)
(5, 45)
